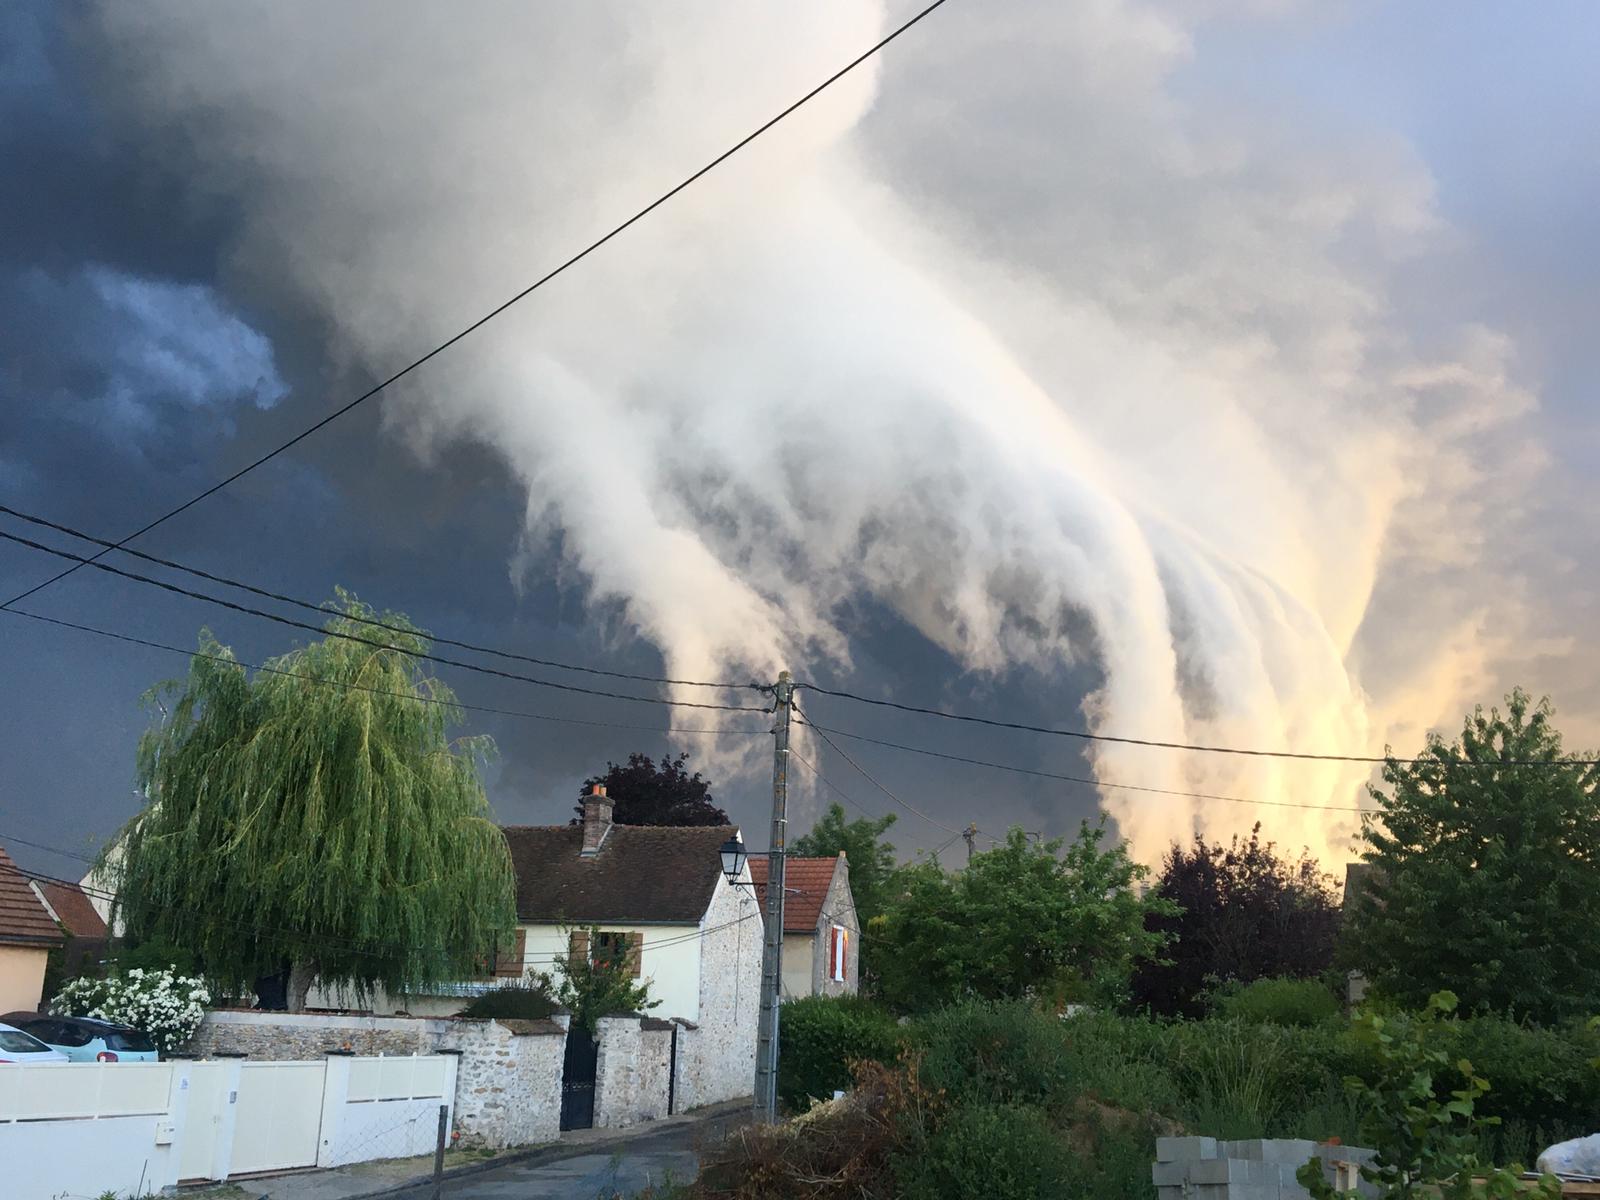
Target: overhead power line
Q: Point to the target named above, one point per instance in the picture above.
(862, 771)
(496, 311)
(46, 523)
(1131, 787)
(1084, 735)
(350, 637)
(356, 687)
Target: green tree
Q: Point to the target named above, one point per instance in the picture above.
(316, 820)
(1023, 919)
(871, 859)
(1485, 853)
(597, 981)
(644, 792)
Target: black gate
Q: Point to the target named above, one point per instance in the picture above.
(577, 1080)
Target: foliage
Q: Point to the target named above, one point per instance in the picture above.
(1483, 872)
(1426, 1145)
(599, 983)
(316, 819)
(165, 1006)
(1244, 913)
(1007, 1152)
(529, 1000)
(871, 859)
(153, 954)
(644, 792)
(1299, 1002)
(1022, 919)
(820, 1038)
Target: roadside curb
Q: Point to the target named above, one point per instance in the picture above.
(557, 1151)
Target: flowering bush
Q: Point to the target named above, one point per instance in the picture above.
(166, 1006)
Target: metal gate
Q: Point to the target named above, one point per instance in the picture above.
(278, 1123)
(577, 1080)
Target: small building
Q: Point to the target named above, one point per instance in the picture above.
(27, 935)
(88, 940)
(821, 934)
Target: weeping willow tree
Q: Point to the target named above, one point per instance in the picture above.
(316, 820)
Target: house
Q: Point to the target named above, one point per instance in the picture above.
(821, 934)
(88, 939)
(657, 895)
(27, 935)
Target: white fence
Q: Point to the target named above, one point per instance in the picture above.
(81, 1129)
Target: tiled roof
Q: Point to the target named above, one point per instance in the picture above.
(73, 909)
(23, 920)
(643, 873)
(805, 886)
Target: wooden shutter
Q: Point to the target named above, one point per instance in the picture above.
(635, 953)
(510, 965)
(578, 945)
(833, 952)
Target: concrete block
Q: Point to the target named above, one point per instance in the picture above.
(1227, 1170)
(1169, 1174)
(1172, 1192)
(1285, 1150)
(1180, 1149)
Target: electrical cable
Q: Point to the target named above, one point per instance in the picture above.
(1084, 735)
(264, 593)
(357, 687)
(1132, 787)
(495, 312)
(350, 637)
(862, 771)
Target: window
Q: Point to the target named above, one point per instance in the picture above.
(614, 948)
(74, 1033)
(130, 1040)
(17, 1042)
(838, 953)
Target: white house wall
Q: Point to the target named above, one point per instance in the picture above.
(723, 1062)
(669, 961)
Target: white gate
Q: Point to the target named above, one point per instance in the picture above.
(278, 1120)
(208, 1101)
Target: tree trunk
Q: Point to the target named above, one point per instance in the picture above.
(302, 974)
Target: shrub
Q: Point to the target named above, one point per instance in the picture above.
(999, 1151)
(165, 1006)
(1296, 1002)
(820, 1036)
(1000, 1053)
(528, 1001)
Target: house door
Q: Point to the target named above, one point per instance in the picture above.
(577, 1080)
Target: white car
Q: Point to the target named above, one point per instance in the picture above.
(19, 1047)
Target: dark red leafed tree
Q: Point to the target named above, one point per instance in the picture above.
(646, 792)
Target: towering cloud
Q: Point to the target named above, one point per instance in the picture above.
(1013, 332)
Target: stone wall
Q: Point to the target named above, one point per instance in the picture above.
(282, 1036)
(508, 1087)
(655, 1064)
(616, 1073)
(720, 1054)
(1202, 1168)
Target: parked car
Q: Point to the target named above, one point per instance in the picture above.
(19, 1047)
(87, 1039)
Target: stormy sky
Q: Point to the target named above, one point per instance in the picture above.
(1215, 373)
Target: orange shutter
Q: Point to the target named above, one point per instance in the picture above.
(635, 953)
(510, 966)
(578, 945)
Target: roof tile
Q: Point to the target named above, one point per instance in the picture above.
(643, 873)
(805, 885)
(23, 919)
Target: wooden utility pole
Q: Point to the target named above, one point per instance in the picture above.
(772, 952)
(970, 835)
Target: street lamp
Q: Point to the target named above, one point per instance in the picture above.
(733, 858)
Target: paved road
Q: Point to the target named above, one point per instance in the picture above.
(645, 1161)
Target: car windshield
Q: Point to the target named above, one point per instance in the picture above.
(129, 1039)
(18, 1042)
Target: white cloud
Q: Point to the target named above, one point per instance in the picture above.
(1025, 346)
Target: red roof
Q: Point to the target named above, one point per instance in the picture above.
(805, 886)
(23, 920)
(73, 909)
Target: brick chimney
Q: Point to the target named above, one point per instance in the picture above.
(596, 819)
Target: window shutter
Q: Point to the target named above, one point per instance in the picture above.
(844, 954)
(635, 953)
(578, 945)
(833, 952)
(509, 965)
